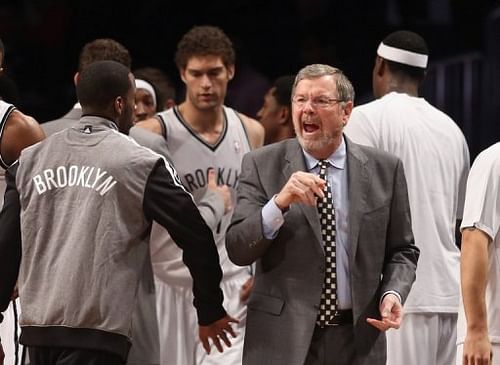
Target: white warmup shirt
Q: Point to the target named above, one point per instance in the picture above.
(436, 162)
(482, 211)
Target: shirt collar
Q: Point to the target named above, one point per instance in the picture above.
(96, 121)
(337, 159)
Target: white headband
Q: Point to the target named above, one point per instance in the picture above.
(402, 56)
(141, 84)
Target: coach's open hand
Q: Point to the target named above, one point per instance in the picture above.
(391, 312)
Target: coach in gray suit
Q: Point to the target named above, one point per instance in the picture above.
(276, 224)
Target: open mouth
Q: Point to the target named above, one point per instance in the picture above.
(310, 128)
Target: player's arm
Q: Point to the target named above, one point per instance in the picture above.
(255, 131)
(168, 203)
(20, 132)
(474, 276)
(10, 240)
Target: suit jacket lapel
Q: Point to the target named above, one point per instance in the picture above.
(358, 180)
(295, 162)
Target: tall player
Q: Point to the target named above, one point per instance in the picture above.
(17, 131)
(436, 161)
(202, 135)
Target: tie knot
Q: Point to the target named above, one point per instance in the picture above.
(323, 165)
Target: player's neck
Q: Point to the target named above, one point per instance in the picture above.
(208, 123)
(402, 86)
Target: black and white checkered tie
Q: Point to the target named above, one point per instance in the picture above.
(326, 211)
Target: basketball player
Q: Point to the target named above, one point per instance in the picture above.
(276, 111)
(202, 135)
(17, 131)
(436, 161)
(102, 194)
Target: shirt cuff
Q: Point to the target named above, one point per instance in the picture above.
(391, 292)
(272, 219)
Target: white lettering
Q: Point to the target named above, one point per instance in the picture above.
(62, 177)
(87, 185)
(49, 178)
(40, 186)
(73, 175)
(98, 177)
(106, 185)
(81, 176)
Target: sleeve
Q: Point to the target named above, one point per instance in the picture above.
(168, 203)
(272, 219)
(482, 199)
(360, 130)
(462, 184)
(401, 254)
(211, 208)
(245, 241)
(10, 239)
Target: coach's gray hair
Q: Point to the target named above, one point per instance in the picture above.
(345, 90)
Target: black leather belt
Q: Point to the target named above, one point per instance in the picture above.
(340, 317)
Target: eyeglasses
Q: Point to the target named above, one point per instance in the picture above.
(320, 102)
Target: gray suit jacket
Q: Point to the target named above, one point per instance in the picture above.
(283, 306)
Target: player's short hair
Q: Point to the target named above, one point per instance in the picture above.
(283, 89)
(101, 83)
(407, 41)
(204, 41)
(103, 49)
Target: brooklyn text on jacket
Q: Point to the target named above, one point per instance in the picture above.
(85, 176)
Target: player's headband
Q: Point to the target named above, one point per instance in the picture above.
(402, 56)
(141, 84)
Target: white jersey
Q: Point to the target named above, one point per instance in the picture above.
(436, 162)
(192, 158)
(482, 211)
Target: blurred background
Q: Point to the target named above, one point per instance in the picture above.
(43, 39)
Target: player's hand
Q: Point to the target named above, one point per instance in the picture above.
(391, 312)
(222, 190)
(477, 349)
(217, 331)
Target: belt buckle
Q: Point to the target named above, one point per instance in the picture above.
(331, 321)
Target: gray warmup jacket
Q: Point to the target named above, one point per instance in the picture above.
(86, 197)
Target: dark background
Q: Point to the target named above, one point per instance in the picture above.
(272, 38)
